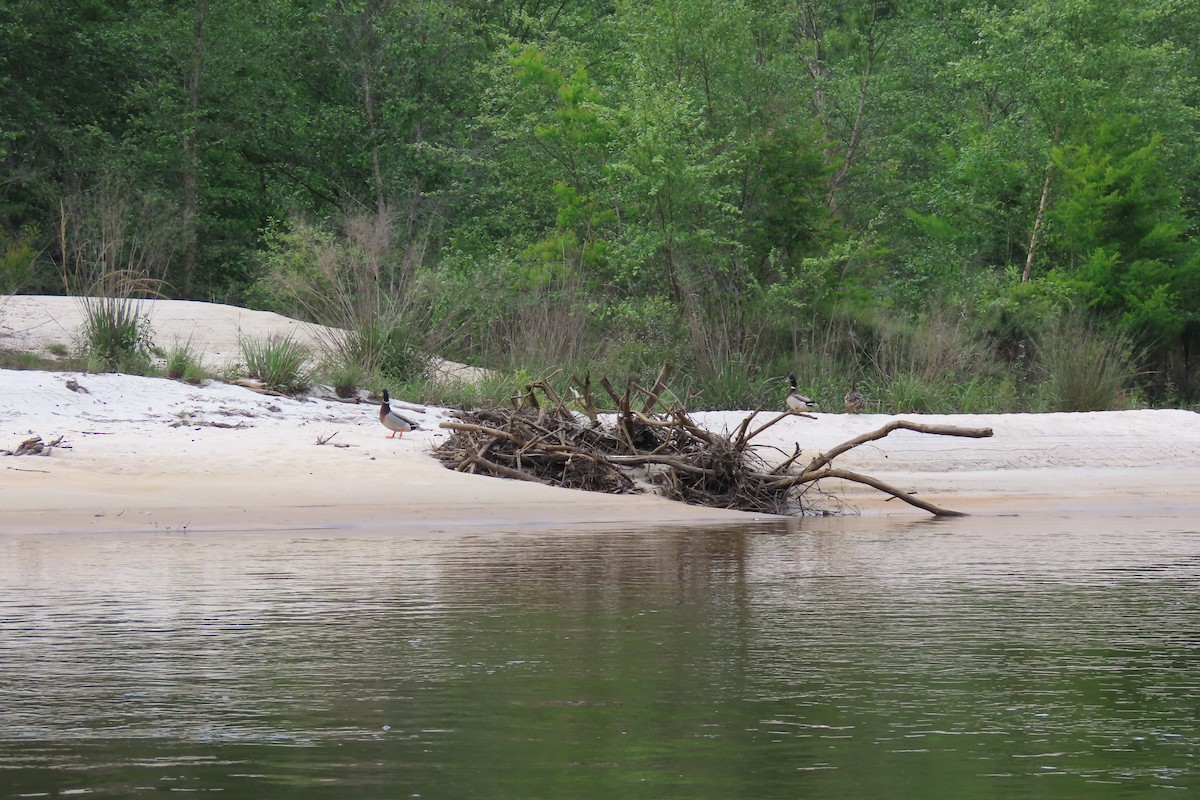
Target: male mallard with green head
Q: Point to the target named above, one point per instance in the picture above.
(393, 421)
(795, 400)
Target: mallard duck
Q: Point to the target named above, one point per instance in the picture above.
(797, 401)
(854, 400)
(393, 421)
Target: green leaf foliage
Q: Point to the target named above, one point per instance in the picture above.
(1118, 227)
(741, 188)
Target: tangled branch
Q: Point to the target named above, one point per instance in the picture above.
(541, 440)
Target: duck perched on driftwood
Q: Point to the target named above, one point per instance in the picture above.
(797, 401)
(394, 422)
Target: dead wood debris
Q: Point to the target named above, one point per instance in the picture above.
(187, 421)
(541, 440)
(255, 385)
(333, 398)
(34, 446)
(322, 440)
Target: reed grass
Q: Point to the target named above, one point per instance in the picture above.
(1086, 369)
(114, 251)
(280, 362)
(116, 334)
(183, 364)
(347, 378)
(356, 284)
(735, 383)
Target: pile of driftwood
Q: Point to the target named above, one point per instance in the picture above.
(649, 445)
(34, 446)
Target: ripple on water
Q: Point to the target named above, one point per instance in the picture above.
(846, 657)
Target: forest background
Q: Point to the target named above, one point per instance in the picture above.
(955, 205)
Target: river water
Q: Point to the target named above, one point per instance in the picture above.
(997, 657)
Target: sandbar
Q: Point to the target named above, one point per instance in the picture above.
(152, 454)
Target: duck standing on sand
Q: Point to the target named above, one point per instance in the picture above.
(393, 421)
(854, 400)
(796, 401)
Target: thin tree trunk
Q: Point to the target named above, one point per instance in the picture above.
(1037, 225)
(835, 183)
(373, 132)
(839, 156)
(1035, 237)
(191, 167)
(810, 29)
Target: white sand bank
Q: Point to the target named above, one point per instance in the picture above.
(143, 455)
(1109, 461)
(212, 331)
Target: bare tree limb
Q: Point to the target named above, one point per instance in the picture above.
(674, 463)
(585, 399)
(468, 426)
(616, 398)
(895, 425)
(786, 465)
(545, 443)
(875, 483)
(507, 472)
(660, 385)
(780, 418)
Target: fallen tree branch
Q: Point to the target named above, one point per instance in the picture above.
(784, 466)
(467, 426)
(895, 425)
(674, 463)
(541, 441)
(875, 483)
(779, 418)
(660, 385)
(507, 472)
(34, 446)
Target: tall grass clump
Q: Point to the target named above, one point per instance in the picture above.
(388, 347)
(935, 347)
(346, 378)
(1085, 368)
(544, 327)
(512, 317)
(736, 383)
(116, 335)
(985, 394)
(280, 362)
(115, 248)
(490, 390)
(182, 364)
(909, 393)
(357, 282)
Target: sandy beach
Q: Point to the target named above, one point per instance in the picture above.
(151, 454)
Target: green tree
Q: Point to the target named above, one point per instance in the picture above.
(1118, 226)
(841, 45)
(1067, 64)
(64, 70)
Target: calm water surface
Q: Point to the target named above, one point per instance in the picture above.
(980, 658)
